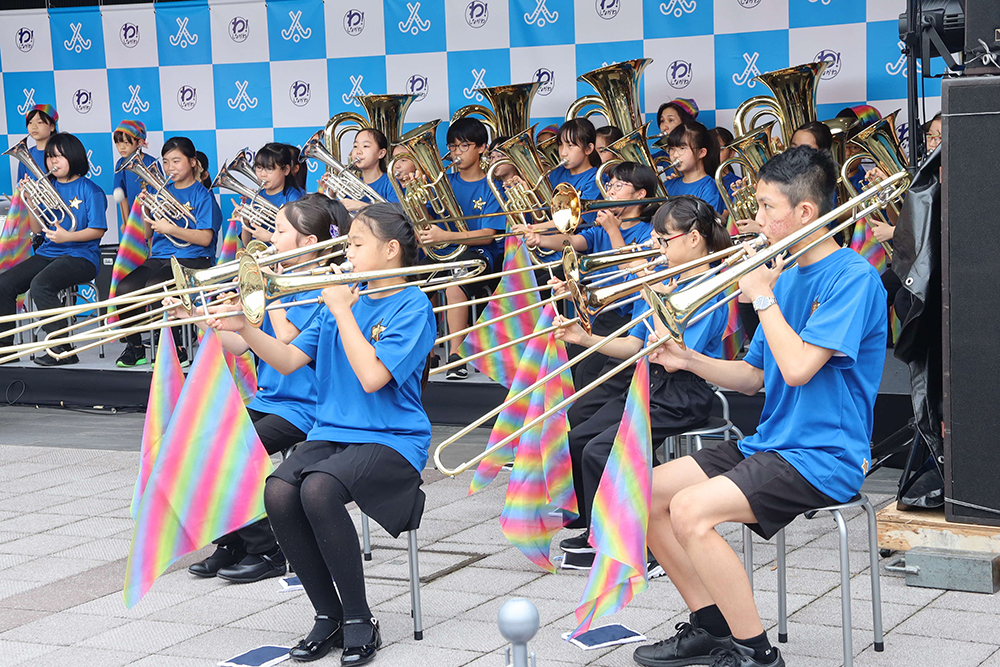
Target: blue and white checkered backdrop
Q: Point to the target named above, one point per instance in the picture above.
(232, 74)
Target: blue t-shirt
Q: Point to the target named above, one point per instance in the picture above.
(703, 336)
(704, 188)
(585, 184)
(383, 186)
(727, 180)
(291, 193)
(291, 397)
(90, 205)
(598, 241)
(207, 215)
(824, 427)
(39, 157)
(129, 182)
(402, 328)
(477, 197)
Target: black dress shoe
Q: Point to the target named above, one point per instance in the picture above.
(360, 655)
(254, 567)
(45, 359)
(307, 651)
(223, 557)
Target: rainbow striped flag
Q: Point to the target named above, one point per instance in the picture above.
(621, 512)
(15, 240)
(540, 498)
(244, 371)
(734, 336)
(502, 365)
(207, 480)
(133, 249)
(230, 241)
(164, 391)
(863, 241)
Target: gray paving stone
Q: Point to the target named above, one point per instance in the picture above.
(21, 653)
(205, 610)
(48, 569)
(170, 661)
(474, 579)
(826, 611)
(90, 507)
(40, 545)
(105, 549)
(145, 635)
(62, 629)
(34, 501)
(114, 605)
(420, 654)
(95, 526)
(435, 602)
(903, 649)
(459, 633)
(953, 624)
(80, 655)
(812, 558)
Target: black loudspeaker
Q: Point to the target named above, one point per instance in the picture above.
(103, 280)
(982, 22)
(971, 298)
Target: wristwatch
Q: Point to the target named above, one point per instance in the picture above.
(763, 303)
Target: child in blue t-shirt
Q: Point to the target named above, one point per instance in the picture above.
(70, 253)
(283, 409)
(698, 158)
(580, 160)
(129, 137)
(371, 436)
(468, 143)
(818, 354)
(272, 165)
(367, 160)
(41, 122)
(686, 230)
(191, 242)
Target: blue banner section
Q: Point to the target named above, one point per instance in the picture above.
(77, 38)
(183, 33)
(296, 29)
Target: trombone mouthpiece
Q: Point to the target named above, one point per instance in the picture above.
(347, 267)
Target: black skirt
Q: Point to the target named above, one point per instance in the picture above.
(380, 480)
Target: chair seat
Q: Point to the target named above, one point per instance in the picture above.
(857, 501)
(713, 426)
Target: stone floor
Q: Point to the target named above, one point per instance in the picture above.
(65, 532)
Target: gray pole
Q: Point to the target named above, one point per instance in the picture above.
(518, 621)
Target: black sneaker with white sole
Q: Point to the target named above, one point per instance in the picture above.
(690, 646)
(580, 544)
(458, 372)
(743, 656)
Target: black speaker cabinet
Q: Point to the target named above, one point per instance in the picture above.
(970, 248)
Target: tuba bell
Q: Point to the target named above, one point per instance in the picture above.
(752, 150)
(256, 210)
(511, 108)
(617, 96)
(633, 147)
(382, 112)
(794, 102)
(41, 192)
(338, 178)
(159, 203)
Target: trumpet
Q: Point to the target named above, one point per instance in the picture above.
(46, 205)
(159, 204)
(256, 210)
(338, 178)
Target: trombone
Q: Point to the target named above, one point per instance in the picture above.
(46, 205)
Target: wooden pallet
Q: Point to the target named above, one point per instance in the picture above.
(901, 531)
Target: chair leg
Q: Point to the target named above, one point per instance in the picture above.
(366, 537)
(418, 621)
(876, 585)
(697, 443)
(845, 588)
(782, 588)
(748, 554)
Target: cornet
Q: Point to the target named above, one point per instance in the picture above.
(159, 204)
(46, 204)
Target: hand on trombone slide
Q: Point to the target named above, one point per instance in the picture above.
(340, 298)
(571, 332)
(670, 355)
(760, 281)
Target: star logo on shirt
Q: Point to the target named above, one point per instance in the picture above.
(479, 204)
(814, 306)
(864, 466)
(75, 202)
(188, 206)
(377, 331)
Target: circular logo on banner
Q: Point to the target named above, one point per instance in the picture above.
(547, 79)
(129, 34)
(748, 4)
(187, 97)
(417, 85)
(25, 38)
(354, 22)
(679, 74)
(299, 93)
(832, 59)
(239, 29)
(477, 13)
(607, 9)
(83, 100)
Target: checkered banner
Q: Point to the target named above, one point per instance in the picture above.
(233, 74)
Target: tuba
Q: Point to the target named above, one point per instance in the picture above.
(617, 96)
(511, 108)
(256, 210)
(41, 192)
(159, 203)
(752, 151)
(434, 189)
(794, 102)
(338, 178)
(633, 147)
(382, 112)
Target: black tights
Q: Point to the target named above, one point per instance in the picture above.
(318, 537)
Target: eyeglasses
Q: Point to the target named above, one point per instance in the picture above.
(932, 137)
(460, 148)
(616, 186)
(664, 240)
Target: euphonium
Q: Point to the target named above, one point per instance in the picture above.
(794, 102)
(617, 96)
(382, 112)
(255, 210)
(752, 151)
(159, 203)
(432, 189)
(41, 192)
(338, 178)
(511, 108)
(633, 147)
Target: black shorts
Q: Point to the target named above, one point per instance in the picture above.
(777, 492)
(381, 481)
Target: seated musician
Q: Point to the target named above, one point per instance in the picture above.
(818, 354)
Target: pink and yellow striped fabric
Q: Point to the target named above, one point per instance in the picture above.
(15, 241)
(133, 249)
(863, 241)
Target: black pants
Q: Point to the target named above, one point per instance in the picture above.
(678, 402)
(748, 318)
(45, 277)
(589, 369)
(276, 434)
(155, 270)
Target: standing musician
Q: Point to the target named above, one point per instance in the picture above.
(369, 157)
(680, 111)
(686, 229)
(468, 140)
(273, 167)
(41, 122)
(65, 258)
(129, 137)
(181, 165)
(371, 435)
(818, 354)
(284, 407)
